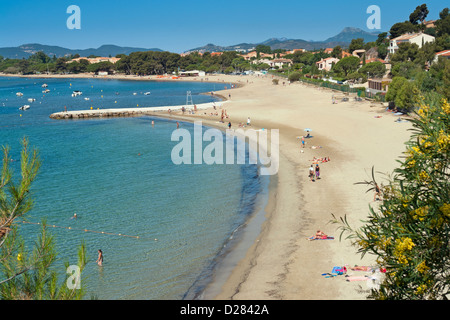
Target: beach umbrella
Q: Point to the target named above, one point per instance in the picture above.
(308, 130)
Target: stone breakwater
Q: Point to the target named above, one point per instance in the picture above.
(128, 112)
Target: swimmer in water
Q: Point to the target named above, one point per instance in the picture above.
(100, 258)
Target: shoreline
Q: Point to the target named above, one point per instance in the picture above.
(281, 264)
(245, 234)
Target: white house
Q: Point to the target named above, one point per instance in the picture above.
(193, 73)
(274, 63)
(281, 62)
(417, 38)
(326, 64)
(445, 54)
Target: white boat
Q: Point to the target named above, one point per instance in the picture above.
(147, 93)
(87, 99)
(76, 93)
(24, 107)
(19, 94)
(44, 85)
(46, 91)
(31, 99)
(134, 93)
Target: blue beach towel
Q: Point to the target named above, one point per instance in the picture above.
(339, 270)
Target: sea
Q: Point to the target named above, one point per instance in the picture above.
(164, 229)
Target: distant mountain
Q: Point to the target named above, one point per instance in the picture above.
(343, 39)
(26, 50)
(348, 34)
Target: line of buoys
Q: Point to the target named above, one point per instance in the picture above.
(85, 230)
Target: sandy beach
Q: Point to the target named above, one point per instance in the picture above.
(282, 264)
(356, 135)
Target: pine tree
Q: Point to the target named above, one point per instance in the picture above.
(25, 274)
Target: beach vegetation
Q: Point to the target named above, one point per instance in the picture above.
(409, 232)
(27, 274)
(404, 93)
(294, 76)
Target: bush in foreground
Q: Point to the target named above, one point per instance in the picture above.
(409, 233)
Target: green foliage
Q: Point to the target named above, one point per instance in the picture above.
(394, 87)
(337, 52)
(406, 52)
(347, 65)
(406, 69)
(401, 28)
(294, 76)
(443, 24)
(356, 44)
(383, 51)
(26, 275)
(409, 234)
(382, 39)
(263, 48)
(105, 66)
(375, 69)
(419, 14)
(407, 96)
(357, 76)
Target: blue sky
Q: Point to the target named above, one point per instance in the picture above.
(178, 26)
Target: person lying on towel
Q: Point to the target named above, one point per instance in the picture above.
(319, 236)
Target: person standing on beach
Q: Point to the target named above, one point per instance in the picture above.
(317, 171)
(311, 173)
(248, 121)
(100, 258)
(178, 125)
(229, 125)
(303, 141)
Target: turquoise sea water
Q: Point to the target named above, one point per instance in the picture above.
(117, 175)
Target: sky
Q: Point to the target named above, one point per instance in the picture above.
(178, 26)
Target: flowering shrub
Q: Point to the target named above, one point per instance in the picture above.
(409, 233)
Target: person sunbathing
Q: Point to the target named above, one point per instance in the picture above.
(319, 235)
(361, 268)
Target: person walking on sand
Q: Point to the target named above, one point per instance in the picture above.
(303, 141)
(311, 173)
(229, 125)
(317, 171)
(248, 121)
(100, 258)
